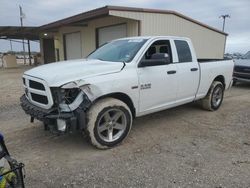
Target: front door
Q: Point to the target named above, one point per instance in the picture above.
(158, 83)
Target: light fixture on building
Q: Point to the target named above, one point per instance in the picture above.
(45, 34)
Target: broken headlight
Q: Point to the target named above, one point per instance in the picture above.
(69, 92)
(64, 96)
(70, 95)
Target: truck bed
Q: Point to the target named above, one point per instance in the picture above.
(209, 69)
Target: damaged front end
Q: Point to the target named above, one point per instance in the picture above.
(68, 112)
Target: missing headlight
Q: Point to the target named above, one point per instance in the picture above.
(64, 96)
(70, 95)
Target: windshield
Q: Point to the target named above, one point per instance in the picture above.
(118, 50)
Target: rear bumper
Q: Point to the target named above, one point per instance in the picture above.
(69, 122)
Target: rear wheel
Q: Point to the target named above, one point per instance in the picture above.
(214, 97)
(109, 123)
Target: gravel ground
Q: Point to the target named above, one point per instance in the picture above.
(181, 147)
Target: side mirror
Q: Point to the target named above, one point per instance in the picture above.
(156, 59)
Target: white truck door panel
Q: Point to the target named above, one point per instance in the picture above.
(188, 72)
(188, 81)
(158, 82)
(157, 87)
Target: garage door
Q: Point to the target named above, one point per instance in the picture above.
(73, 49)
(106, 34)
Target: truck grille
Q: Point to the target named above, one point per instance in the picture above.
(39, 98)
(37, 92)
(36, 85)
(242, 69)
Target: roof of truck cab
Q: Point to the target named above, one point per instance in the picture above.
(153, 37)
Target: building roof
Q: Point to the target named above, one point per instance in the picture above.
(104, 11)
(17, 32)
(72, 20)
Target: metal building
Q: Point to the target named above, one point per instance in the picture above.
(77, 36)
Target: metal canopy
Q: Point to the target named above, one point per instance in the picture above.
(16, 32)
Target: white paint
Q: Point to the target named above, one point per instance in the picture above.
(57, 74)
(163, 86)
(166, 91)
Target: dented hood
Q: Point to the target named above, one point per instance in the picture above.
(57, 74)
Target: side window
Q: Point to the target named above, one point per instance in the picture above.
(159, 50)
(183, 51)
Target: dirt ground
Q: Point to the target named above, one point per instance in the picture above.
(181, 147)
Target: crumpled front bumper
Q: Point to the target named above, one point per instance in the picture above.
(69, 121)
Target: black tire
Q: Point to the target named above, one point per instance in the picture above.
(209, 102)
(97, 115)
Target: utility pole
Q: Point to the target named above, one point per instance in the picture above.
(224, 20)
(21, 20)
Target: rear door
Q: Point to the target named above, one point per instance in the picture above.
(158, 83)
(188, 72)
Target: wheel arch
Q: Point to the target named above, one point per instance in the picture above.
(122, 97)
(221, 79)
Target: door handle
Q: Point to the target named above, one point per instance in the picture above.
(171, 72)
(194, 69)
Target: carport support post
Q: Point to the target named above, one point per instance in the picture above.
(29, 52)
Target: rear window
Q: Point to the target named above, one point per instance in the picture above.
(183, 51)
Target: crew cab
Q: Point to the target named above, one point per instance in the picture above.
(121, 80)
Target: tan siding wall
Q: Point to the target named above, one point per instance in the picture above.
(207, 43)
(59, 36)
(88, 33)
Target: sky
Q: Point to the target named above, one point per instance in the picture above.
(206, 11)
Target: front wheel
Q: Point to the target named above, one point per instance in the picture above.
(109, 123)
(214, 97)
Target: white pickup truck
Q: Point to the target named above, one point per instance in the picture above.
(121, 80)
